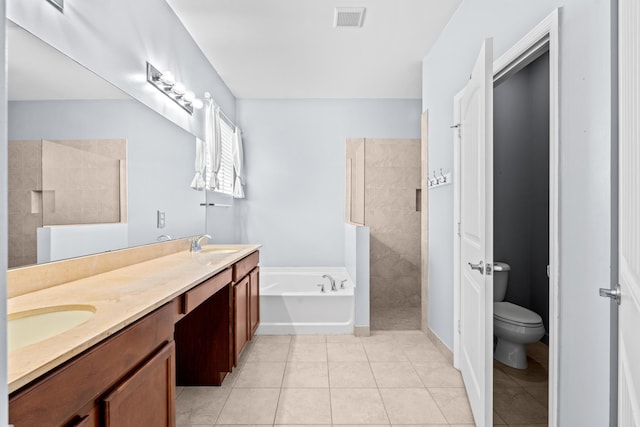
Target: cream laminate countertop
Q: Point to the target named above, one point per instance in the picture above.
(120, 297)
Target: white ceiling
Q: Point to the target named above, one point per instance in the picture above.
(289, 48)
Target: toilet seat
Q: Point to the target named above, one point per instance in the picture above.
(515, 315)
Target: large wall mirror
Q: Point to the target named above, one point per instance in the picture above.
(90, 168)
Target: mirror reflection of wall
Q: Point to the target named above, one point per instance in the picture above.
(97, 166)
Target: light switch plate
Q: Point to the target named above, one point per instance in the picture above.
(161, 222)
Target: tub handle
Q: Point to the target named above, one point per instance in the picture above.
(342, 283)
(321, 287)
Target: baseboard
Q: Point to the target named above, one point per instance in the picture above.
(440, 345)
(362, 331)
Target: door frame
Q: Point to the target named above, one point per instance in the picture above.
(517, 57)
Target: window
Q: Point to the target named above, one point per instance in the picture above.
(225, 174)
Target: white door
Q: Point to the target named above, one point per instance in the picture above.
(476, 237)
(629, 216)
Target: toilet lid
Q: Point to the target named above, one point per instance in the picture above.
(512, 313)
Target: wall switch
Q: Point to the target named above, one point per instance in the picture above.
(161, 219)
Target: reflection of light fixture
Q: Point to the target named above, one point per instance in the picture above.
(166, 83)
(59, 4)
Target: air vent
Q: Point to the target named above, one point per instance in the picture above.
(349, 17)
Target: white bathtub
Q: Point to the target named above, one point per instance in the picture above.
(291, 303)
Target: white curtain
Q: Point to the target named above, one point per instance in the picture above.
(213, 146)
(238, 164)
(200, 165)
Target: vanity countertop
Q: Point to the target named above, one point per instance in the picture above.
(120, 297)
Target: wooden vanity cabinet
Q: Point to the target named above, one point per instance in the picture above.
(254, 301)
(245, 302)
(134, 365)
(240, 316)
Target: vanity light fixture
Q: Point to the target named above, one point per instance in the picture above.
(166, 83)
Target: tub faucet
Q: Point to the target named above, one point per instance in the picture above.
(332, 280)
(195, 242)
(164, 237)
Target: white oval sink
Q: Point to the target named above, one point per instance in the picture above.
(29, 327)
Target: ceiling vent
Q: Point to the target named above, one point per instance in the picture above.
(349, 17)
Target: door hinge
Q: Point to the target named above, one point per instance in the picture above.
(459, 229)
(459, 327)
(614, 294)
(548, 271)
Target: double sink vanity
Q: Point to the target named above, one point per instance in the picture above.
(103, 340)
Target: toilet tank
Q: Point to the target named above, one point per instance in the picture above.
(500, 280)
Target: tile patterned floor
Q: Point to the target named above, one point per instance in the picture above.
(520, 397)
(390, 378)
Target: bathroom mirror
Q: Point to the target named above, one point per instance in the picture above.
(90, 168)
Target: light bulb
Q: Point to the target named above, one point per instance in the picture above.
(179, 88)
(197, 103)
(189, 96)
(168, 79)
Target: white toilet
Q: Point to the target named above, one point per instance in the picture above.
(513, 326)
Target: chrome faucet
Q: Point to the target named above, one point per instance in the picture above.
(164, 238)
(332, 280)
(195, 242)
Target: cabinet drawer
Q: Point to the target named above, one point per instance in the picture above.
(245, 265)
(205, 290)
(60, 396)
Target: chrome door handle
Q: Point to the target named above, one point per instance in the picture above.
(614, 294)
(479, 266)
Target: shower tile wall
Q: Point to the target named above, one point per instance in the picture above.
(25, 200)
(392, 175)
(59, 183)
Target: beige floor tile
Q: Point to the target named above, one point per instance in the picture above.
(200, 405)
(273, 339)
(269, 352)
(306, 375)
(438, 374)
(243, 425)
(351, 375)
(261, 375)
(453, 404)
(411, 406)
(231, 378)
(309, 339)
(426, 352)
(357, 406)
(409, 338)
(250, 406)
(304, 406)
(178, 391)
(303, 352)
(395, 374)
(516, 406)
(346, 352)
(378, 337)
(343, 339)
(384, 352)
(529, 425)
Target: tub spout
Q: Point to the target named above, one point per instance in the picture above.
(331, 280)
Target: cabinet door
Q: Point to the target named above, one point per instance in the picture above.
(254, 300)
(240, 316)
(147, 397)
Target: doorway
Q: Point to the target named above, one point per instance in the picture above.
(383, 193)
(474, 192)
(521, 233)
